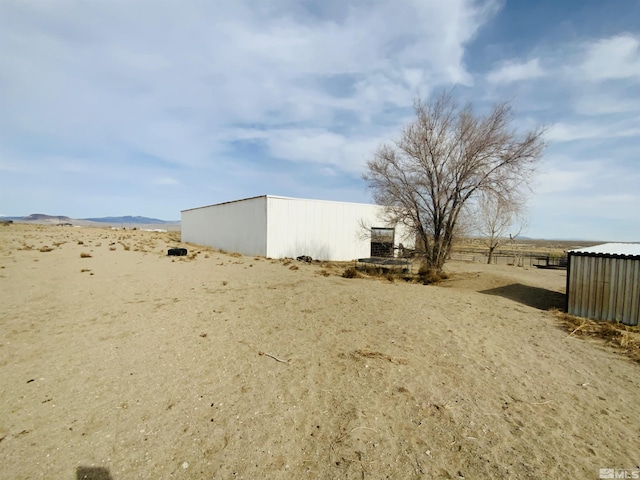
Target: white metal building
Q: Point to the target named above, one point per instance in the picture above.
(279, 227)
(603, 282)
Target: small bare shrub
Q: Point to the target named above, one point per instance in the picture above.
(224, 282)
(84, 270)
(112, 249)
(85, 255)
(46, 248)
(80, 242)
(430, 276)
(293, 267)
(324, 273)
(351, 272)
(374, 271)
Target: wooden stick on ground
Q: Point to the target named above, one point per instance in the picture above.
(274, 357)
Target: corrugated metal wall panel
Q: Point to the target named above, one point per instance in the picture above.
(610, 314)
(234, 226)
(321, 229)
(635, 292)
(608, 305)
(604, 288)
(619, 282)
(592, 279)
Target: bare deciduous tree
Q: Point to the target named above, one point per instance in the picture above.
(498, 220)
(447, 156)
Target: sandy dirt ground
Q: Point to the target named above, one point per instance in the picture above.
(119, 362)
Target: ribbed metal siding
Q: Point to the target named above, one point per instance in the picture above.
(321, 229)
(239, 226)
(604, 288)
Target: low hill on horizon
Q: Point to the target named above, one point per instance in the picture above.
(129, 219)
(126, 219)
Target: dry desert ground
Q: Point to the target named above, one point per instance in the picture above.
(119, 362)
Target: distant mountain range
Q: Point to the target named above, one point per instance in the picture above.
(127, 219)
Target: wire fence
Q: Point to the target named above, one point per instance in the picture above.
(519, 258)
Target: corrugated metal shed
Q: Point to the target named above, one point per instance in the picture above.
(603, 282)
(620, 249)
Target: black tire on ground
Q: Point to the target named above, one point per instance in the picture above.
(177, 252)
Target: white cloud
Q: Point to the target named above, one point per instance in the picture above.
(593, 130)
(616, 57)
(594, 103)
(322, 147)
(514, 71)
(93, 75)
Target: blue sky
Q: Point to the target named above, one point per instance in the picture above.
(148, 107)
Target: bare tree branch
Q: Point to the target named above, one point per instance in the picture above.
(447, 157)
(498, 219)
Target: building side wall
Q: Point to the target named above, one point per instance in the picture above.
(235, 226)
(604, 288)
(320, 229)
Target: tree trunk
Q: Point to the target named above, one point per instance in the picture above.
(491, 249)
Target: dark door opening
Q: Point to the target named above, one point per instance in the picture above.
(382, 242)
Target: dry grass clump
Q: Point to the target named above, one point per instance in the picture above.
(324, 273)
(351, 272)
(46, 248)
(429, 276)
(294, 267)
(618, 335)
(85, 255)
(174, 237)
(80, 242)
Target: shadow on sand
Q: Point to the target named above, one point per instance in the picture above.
(535, 297)
(93, 473)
